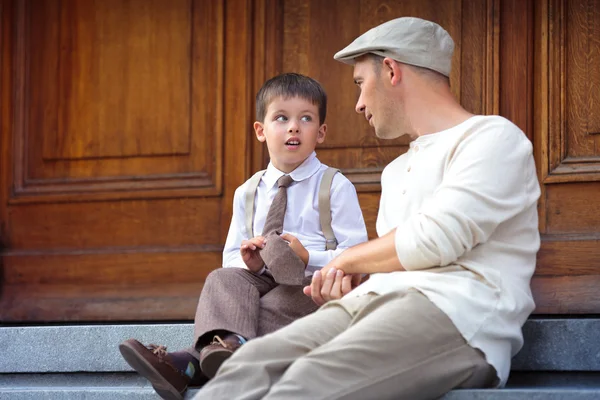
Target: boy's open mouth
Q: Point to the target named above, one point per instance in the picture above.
(292, 142)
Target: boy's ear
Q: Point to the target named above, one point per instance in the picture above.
(259, 129)
(322, 133)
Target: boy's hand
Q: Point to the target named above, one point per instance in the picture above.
(297, 247)
(250, 253)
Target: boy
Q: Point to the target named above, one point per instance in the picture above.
(259, 290)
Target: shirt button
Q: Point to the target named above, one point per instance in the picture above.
(403, 191)
(416, 148)
(408, 169)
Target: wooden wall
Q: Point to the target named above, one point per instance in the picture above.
(126, 127)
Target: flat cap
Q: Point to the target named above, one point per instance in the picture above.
(409, 40)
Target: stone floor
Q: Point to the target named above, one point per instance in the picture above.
(83, 362)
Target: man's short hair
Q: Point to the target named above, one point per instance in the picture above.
(291, 85)
(430, 74)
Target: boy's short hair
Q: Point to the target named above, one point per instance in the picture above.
(291, 85)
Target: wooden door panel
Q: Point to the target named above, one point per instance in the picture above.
(93, 47)
(573, 82)
(113, 199)
(567, 104)
(113, 100)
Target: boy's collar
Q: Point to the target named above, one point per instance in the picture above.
(304, 171)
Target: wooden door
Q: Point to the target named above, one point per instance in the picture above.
(567, 136)
(126, 127)
(534, 62)
(117, 163)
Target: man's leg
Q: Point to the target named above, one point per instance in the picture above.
(397, 347)
(282, 306)
(250, 372)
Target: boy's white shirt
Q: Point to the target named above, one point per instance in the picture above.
(465, 199)
(302, 214)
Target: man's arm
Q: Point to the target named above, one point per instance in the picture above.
(377, 255)
(490, 179)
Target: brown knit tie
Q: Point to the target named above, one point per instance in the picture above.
(279, 258)
(276, 214)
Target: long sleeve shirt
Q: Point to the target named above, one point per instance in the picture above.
(302, 214)
(464, 205)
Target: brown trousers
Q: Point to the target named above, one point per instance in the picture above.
(239, 301)
(396, 346)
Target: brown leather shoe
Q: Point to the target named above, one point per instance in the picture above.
(219, 350)
(153, 363)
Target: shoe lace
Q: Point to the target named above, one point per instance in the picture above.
(159, 350)
(217, 340)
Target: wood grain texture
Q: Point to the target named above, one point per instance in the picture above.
(143, 266)
(238, 103)
(173, 222)
(569, 255)
(566, 294)
(100, 303)
(143, 247)
(573, 85)
(118, 94)
(569, 259)
(6, 155)
(516, 59)
(573, 208)
(104, 109)
(99, 226)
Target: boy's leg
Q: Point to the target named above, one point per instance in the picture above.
(251, 371)
(282, 306)
(171, 373)
(227, 315)
(230, 301)
(400, 346)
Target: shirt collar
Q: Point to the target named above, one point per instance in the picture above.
(304, 171)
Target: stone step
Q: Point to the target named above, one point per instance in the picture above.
(89, 386)
(83, 361)
(117, 386)
(550, 345)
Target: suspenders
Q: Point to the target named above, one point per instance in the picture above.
(324, 205)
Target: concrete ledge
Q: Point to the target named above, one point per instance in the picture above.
(559, 345)
(550, 345)
(124, 386)
(81, 348)
(78, 386)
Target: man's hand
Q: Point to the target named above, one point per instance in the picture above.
(297, 247)
(330, 284)
(250, 253)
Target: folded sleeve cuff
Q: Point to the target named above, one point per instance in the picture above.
(408, 252)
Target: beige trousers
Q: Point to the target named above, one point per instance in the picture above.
(396, 346)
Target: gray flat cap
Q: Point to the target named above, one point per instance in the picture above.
(409, 40)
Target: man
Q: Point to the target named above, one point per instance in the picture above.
(449, 286)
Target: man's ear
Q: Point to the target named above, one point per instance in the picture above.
(322, 133)
(259, 129)
(392, 70)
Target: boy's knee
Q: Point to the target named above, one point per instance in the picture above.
(226, 274)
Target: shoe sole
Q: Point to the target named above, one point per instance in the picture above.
(164, 389)
(211, 363)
